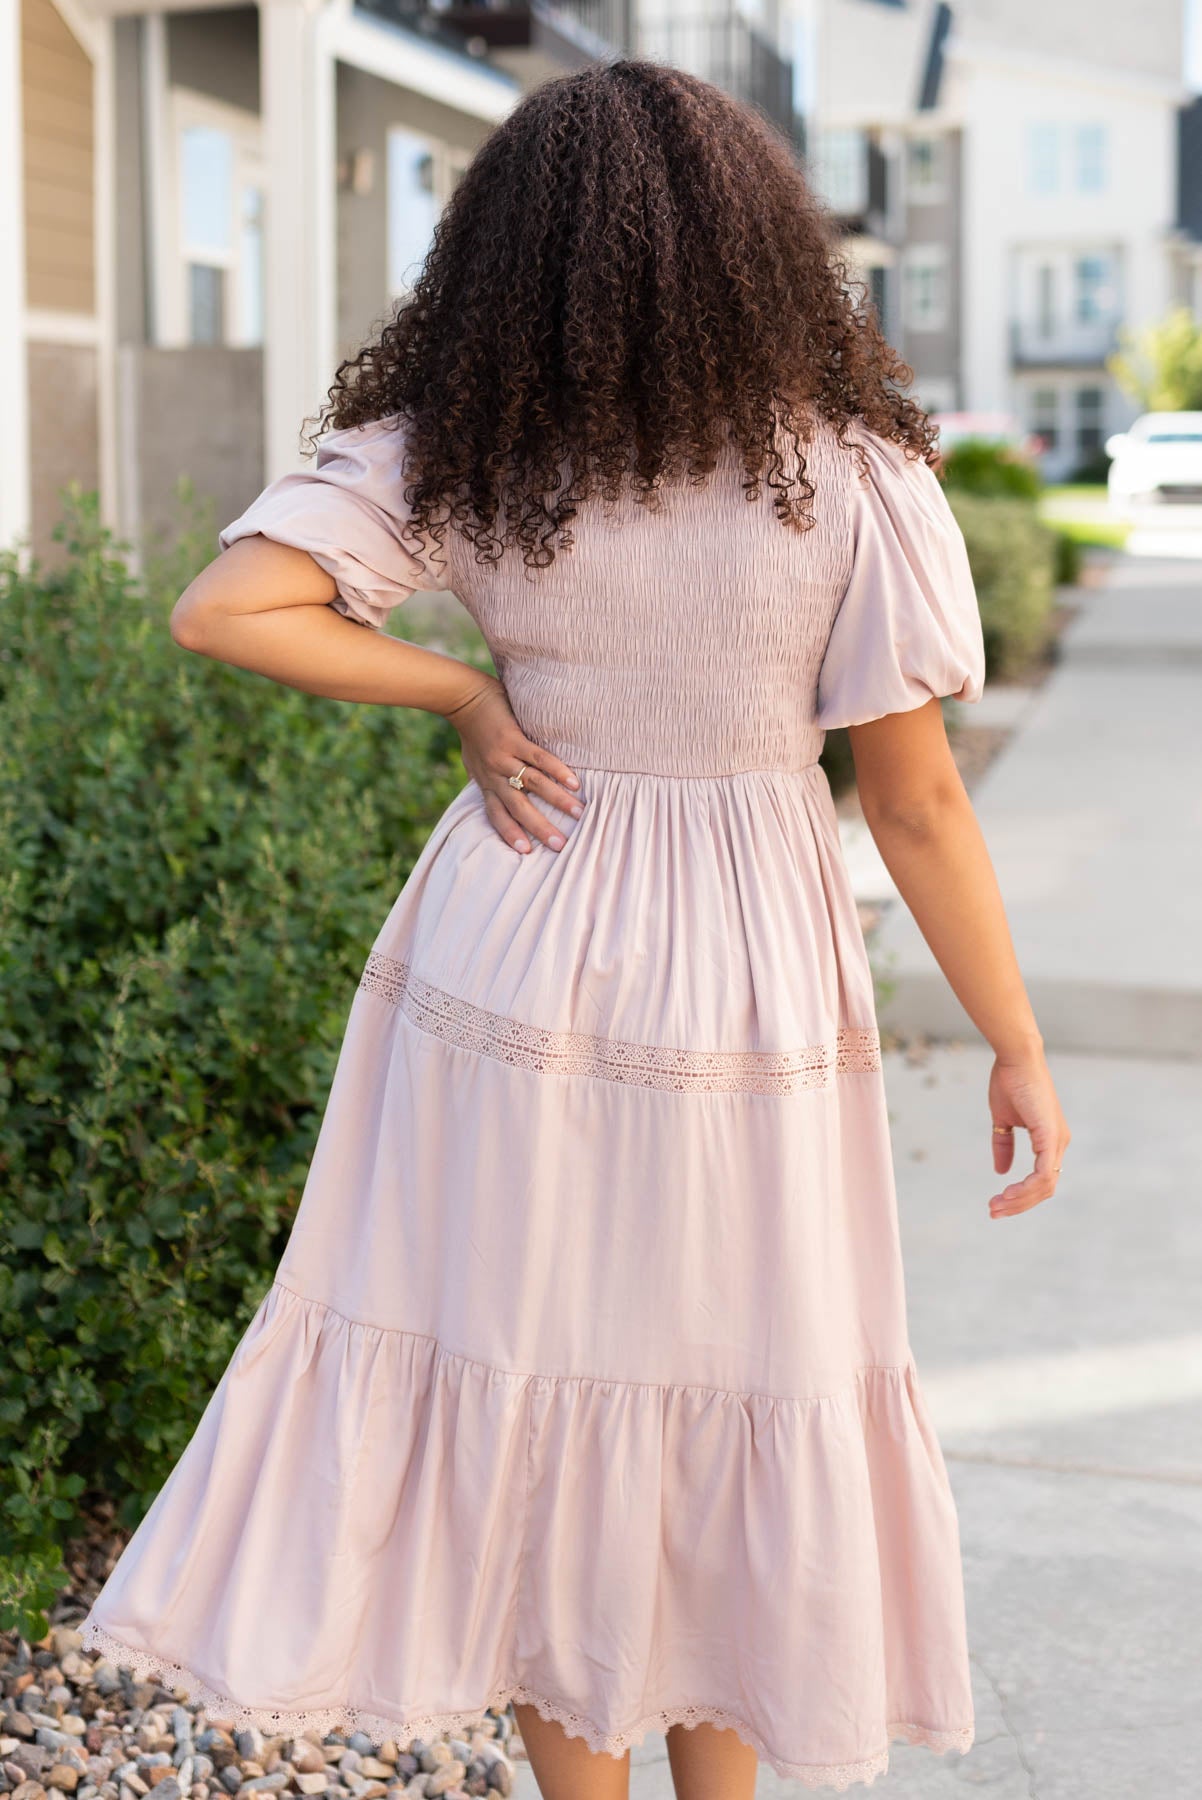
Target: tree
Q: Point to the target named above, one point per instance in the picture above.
(1161, 366)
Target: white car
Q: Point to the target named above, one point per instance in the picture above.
(1158, 460)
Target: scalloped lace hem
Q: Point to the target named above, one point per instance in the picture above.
(379, 1727)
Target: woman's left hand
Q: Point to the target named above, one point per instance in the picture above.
(1021, 1092)
(494, 748)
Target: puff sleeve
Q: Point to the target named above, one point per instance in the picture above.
(348, 511)
(908, 626)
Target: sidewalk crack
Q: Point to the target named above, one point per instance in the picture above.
(1011, 1731)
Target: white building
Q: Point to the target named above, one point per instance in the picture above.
(1069, 196)
(1028, 193)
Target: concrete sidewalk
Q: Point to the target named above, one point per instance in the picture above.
(1061, 1355)
(1093, 816)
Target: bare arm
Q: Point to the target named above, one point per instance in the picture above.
(923, 823)
(264, 606)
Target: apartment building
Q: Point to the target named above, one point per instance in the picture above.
(1027, 176)
(207, 208)
(204, 208)
(1186, 245)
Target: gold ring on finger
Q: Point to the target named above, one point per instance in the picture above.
(1003, 1128)
(515, 781)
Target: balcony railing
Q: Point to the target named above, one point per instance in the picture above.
(1069, 344)
(583, 27)
(723, 47)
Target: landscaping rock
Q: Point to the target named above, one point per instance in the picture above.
(75, 1726)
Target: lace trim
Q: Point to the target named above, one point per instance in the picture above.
(856, 1048)
(379, 1727)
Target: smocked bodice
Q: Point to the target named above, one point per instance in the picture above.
(681, 641)
(702, 637)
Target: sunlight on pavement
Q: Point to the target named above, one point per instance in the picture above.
(1070, 1384)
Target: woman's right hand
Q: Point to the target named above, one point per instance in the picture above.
(494, 748)
(1021, 1093)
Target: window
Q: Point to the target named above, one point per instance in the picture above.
(250, 294)
(842, 173)
(1091, 158)
(924, 170)
(925, 288)
(206, 167)
(1045, 300)
(216, 285)
(878, 291)
(206, 304)
(206, 174)
(412, 206)
(422, 172)
(1094, 289)
(1091, 404)
(1044, 416)
(1044, 158)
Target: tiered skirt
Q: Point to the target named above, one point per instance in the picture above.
(584, 1378)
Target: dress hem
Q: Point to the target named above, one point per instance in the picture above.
(344, 1717)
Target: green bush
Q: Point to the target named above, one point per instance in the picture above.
(195, 864)
(1068, 559)
(836, 759)
(1014, 563)
(994, 471)
(1093, 471)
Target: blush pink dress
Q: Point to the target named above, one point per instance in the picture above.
(584, 1378)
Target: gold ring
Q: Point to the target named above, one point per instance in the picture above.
(515, 781)
(1006, 1128)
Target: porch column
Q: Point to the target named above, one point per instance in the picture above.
(14, 374)
(298, 96)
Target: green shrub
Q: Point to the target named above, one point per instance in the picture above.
(994, 471)
(1068, 559)
(195, 864)
(1093, 471)
(836, 759)
(1014, 562)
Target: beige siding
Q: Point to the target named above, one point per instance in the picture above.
(56, 94)
(63, 433)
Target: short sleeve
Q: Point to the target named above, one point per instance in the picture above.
(348, 511)
(909, 625)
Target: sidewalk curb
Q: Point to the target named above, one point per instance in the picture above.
(1088, 1017)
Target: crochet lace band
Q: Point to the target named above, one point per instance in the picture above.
(854, 1049)
(346, 1718)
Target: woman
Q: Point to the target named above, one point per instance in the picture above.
(593, 1306)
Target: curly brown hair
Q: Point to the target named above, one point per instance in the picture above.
(631, 268)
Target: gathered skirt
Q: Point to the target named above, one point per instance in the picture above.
(584, 1378)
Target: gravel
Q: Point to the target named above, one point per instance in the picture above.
(74, 1727)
